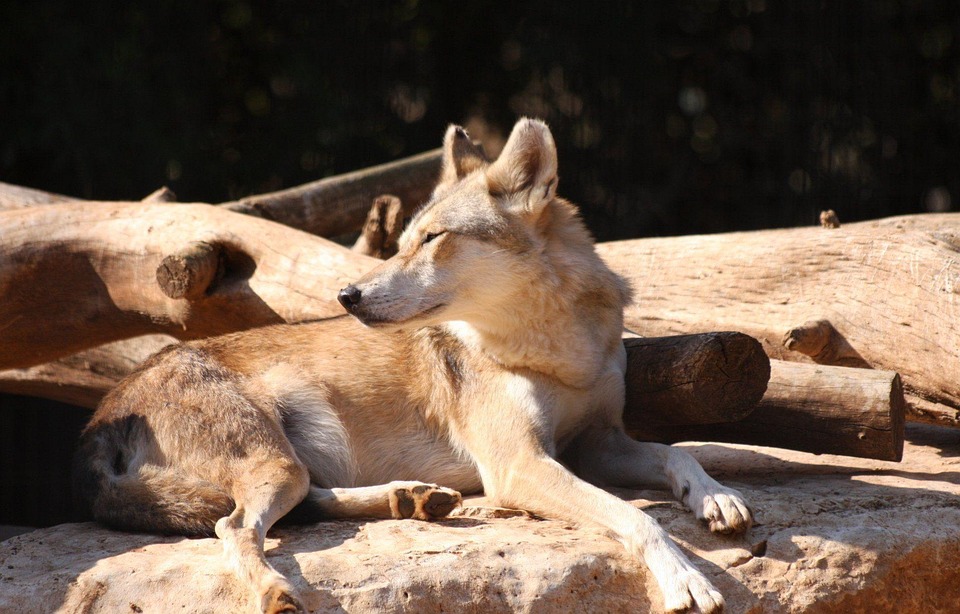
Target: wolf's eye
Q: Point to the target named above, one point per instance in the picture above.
(430, 236)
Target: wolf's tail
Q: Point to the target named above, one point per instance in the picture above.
(146, 498)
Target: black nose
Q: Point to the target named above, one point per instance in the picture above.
(349, 297)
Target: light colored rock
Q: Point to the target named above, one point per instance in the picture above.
(836, 535)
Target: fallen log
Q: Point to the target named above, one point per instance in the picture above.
(338, 205)
(109, 290)
(811, 408)
(690, 379)
(870, 284)
(885, 288)
(329, 207)
(83, 379)
(77, 275)
(888, 290)
(827, 410)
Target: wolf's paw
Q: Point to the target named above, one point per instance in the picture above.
(724, 509)
(689, 590)
(280, 598)
(422, 501)
(683, 586)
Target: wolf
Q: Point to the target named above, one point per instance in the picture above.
(486, 355)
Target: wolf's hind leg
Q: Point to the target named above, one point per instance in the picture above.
(394, 500)
(609, 457)
(269, 488)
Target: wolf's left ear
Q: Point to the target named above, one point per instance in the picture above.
(460, 156)
(525, 174)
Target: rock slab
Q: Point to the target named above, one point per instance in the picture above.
(835, 534)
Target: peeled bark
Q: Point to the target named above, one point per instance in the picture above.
(77, 275)
(885, 290)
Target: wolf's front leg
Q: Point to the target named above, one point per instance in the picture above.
(522, 475)
(609, 457)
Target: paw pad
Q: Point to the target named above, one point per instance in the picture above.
(423, 502)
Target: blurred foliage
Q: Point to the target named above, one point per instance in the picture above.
(673, 117)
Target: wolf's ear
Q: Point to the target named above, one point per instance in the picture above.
(525, 174)
(460, 156)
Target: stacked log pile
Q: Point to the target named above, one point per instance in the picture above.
(836, 316)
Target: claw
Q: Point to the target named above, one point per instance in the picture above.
(724, 510)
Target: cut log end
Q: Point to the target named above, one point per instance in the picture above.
(693, 379)
(191, 272)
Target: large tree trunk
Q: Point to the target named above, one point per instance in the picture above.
(882, 294)
(77, 275)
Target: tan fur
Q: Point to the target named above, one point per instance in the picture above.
(480, 355)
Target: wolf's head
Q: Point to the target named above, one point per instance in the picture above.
(482, 243)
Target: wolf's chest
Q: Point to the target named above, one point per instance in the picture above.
(571, 414)
(558, 412)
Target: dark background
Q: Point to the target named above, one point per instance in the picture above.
(670, 117)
